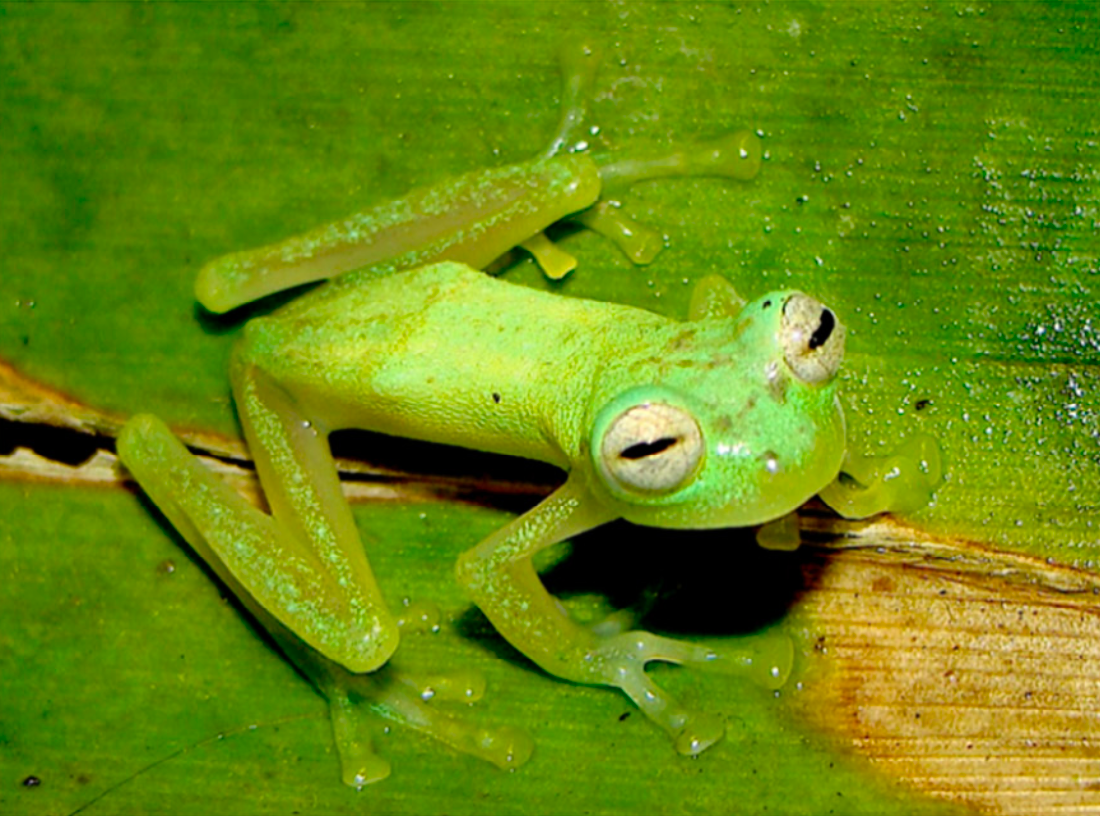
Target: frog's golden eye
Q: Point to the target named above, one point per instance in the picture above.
(652, 448)
(812, 339)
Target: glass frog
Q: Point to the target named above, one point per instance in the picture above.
(728, 419)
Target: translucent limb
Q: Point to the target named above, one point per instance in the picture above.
(505, 747)
(499, 576)
(458, 686)
(335, 605)
(735, 155)
(399, 698)
(331, 601)
(767, 661)
(639, 243)
(781, 534)
(473, 218)
(555, 262)
(578, 74)
(692, 732)
(262, 561)
(359, 764)
(901, 482)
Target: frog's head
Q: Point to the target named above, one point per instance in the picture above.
(739, 425)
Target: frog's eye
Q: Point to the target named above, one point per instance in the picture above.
(812, 339)
(652, 448)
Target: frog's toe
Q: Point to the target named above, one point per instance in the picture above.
(360, 765)
(766, 660)
(902, 482)
(506, 747)
(692, 732)
(459, 685)
(700, 731)
(358, 772)
(355, 699)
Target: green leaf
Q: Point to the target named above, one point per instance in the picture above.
(930, 174)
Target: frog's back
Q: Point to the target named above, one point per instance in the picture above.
(448, 354)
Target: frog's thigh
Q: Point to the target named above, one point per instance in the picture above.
(324, 591)
(230, 534)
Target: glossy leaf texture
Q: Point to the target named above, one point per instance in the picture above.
(930, 173)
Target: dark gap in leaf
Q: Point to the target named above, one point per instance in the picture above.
(64, 445)
(431, 459)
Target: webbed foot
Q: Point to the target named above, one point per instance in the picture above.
(901, 482)
(401, 699)
(622, 658)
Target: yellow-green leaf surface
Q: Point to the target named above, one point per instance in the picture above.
(930, 173)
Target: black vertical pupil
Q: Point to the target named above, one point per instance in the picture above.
(824, 328)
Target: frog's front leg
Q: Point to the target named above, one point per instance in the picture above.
(900, 482)
(499, 576)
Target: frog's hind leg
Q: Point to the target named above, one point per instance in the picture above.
(735, 156)
(354, 699)
(302, 487)
(260, 561)
(326, 593)
(242, 544)
(250, 551)
(578, 73)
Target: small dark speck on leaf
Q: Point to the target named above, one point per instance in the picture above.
(921, 404)
(496, 398)
(32, 782)
(623, 716)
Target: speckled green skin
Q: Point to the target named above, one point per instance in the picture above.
(447, 354)
(471, 218)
